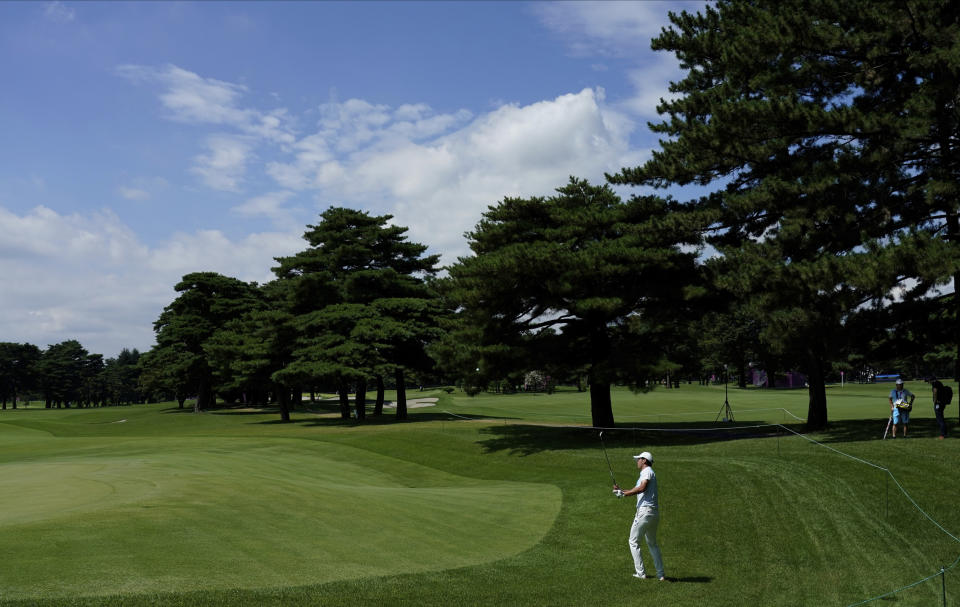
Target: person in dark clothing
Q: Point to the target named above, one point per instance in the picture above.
(938, 405)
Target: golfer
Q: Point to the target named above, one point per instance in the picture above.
(647, 518)
(901, 414)
(938, 405)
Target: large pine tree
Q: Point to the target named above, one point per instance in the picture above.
(18, 370)
(828, 133)
(579, 280)
(206, 303)
(361, 303)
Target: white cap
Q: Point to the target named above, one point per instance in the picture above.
(899, 381)
(645, 455)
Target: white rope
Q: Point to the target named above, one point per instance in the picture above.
(464, 417)
(921, 510)
(837, 451)
(901, 589)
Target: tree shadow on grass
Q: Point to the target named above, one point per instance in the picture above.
(522, 439)
(387, 418)
(850, 430)
(327, 414)
(253, 409)
(229, 410)
(177, 410)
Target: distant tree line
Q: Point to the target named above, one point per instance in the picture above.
(355, 309)
(826, 139)
(66, 375)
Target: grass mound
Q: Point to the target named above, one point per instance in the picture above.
(149, 514)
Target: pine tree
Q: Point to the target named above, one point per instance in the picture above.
(579, 280)
(827, 133)
(361, 304)
(18, 370)
(207, 302)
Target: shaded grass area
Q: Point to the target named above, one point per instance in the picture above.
(749, 516)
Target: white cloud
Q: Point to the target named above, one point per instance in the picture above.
(622, 30)
(132, 193)
(248, 259)
(141, 188)
(436, 172)
(58, 11)
(223, 167)
(270, 206)
(193, 99)
(439, 186)
(614, 28)
(352, 127)
(411, 112)
(87, 277)
(651, 85)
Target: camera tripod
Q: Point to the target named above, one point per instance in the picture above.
(726, 411)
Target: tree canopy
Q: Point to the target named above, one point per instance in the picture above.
(18, 370)
(361, 303)
(207, 302)
(577, 280)
(827, 134)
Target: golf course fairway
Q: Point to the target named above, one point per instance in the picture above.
(146, 513)
(495, 500)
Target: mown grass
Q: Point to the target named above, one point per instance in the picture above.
(492, 500)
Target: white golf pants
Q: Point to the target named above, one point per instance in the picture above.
(645, 524)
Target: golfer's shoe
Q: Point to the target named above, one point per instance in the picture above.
(639, 576)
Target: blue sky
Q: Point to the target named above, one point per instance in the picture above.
(146, 140)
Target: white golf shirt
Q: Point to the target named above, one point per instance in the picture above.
(648, 498)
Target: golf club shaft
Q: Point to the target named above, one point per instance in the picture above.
(609, 467)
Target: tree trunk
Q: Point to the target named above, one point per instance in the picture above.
(283, 399)
(181, 400)
(953, 235)
(956, 326)
(401, 394)
(204, 396)
(378, 407)
(948, 160)
(360, 399)
(344, 399)
(817, 411)
(601, 408)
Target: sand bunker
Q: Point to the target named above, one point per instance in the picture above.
(412, 403)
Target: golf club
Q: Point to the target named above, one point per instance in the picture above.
(607, 458)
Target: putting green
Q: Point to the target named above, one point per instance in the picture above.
(94, 515)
